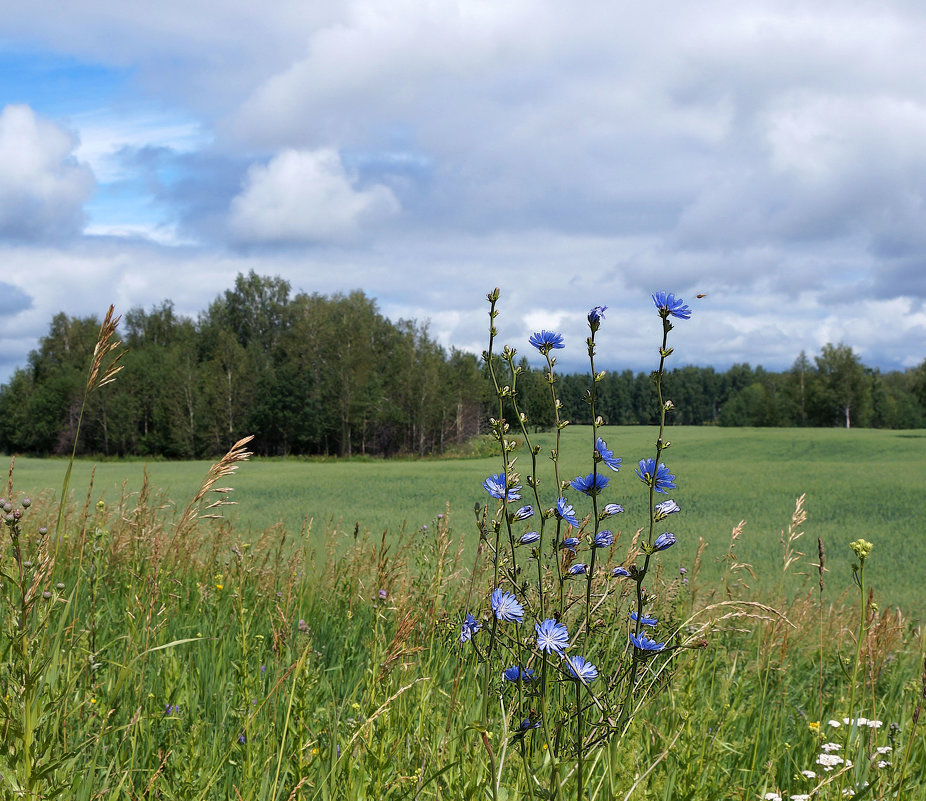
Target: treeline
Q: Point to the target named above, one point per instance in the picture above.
(308, 374)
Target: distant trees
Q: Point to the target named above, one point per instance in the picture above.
(310, 374)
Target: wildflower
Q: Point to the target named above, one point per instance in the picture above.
(578, 569)
(303, 626)
(800, 796)
(664, 509)
(644, 643)
(861, 548)
(607, 456)
(664, 541)
(506, 606)
(829, 761)
(771, 797)
(529, 538)
(595, 316)
(834, 723)
(808, 774)
(875, 724)
(526, 724)
(814, 725)
(682, 571)
(659, 478)
(470, 627)
(545, 341)
(565, 511)
(646, 621)
(495, 486)
(620, 572)
(604, 539)
(580, 669)
(569, 544)
(552, 636)
(884, 749)
(668, 304)
(611, 509)
(242, 739)
(171, 709)
(591, 484)
(883, 764)
(828, 747)
(383, 595)
(524, 512)
(515, 672)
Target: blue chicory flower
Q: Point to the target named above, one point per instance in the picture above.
(552, 636)
(659, 478)
(470, 627)
(591, 484)
(578, 569)
(611, 509)
(604, 539)
(515, 672)
(664, 509)
(607, 456)
(595, 316)
(495, 486)
(526, 724)
(545, 341)
(664, 540)
(667, 304)
(644, 643)
(529, 538)
(620, 572)
(565, 511)
(580, 669)
(570, 544)
(646, 621)
(506, 606)
(524, 512)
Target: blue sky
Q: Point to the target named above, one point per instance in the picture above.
(767, 154)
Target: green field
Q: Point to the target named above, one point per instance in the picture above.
(858, 483)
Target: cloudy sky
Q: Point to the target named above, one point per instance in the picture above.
(768, 154)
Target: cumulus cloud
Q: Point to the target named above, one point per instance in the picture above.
(306, 197)
(42, 186)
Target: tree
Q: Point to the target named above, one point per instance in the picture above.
(845, 385)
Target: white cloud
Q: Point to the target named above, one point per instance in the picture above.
(42, 186)
(306, 197)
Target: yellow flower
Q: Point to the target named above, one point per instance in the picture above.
(218, 586)
(814, 725)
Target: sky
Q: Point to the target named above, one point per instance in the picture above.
(769, 155)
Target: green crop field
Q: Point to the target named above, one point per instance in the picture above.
(858, 483)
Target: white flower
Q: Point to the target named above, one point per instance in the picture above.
(834, 723)
(874, 724)
(801, 797)
(830, 747)
(829, 761)
(883, 764)
(808, 774)
(772, 797)
(884, 749)
(848, 792)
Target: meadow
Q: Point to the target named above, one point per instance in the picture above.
(858, 483)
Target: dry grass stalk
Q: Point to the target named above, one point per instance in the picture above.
(225, 467)
(798, 518)
(106, 349)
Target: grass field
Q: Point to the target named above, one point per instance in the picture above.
(154, 660)
(858, 483)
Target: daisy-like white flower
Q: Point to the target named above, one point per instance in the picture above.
(506, 606)
(808, 774)
(883, 763)
(829, 747)
(565, 511)
(495, 486)
(800, 797)
(529, 538)
(579, 669)
(883, 749)
(607, 455)
(829, 761)
(552, 636)
(771, 797)
(545, 341)
(875, 724)
(834, 723)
